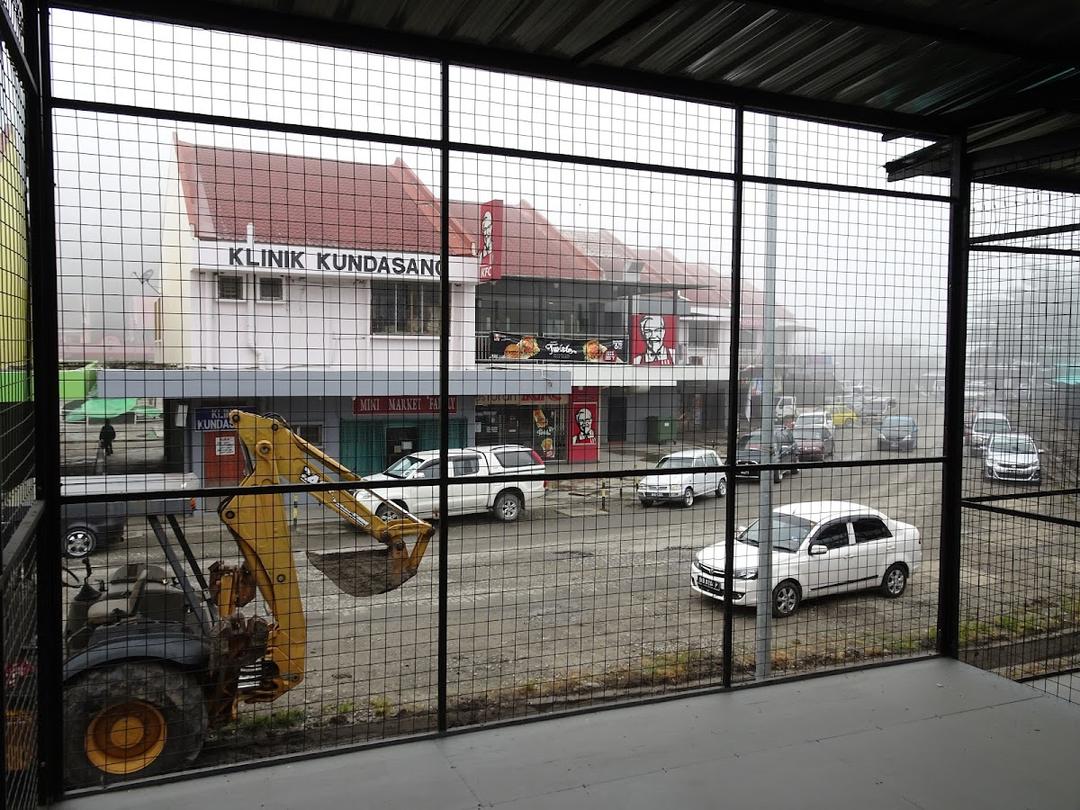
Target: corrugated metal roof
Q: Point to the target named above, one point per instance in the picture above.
(947, 65)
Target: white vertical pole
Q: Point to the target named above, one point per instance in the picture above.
(762, 654)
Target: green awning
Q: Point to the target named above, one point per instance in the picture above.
(102, 409)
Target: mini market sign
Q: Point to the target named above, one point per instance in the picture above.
(379, 406)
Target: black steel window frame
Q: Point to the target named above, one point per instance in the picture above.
(41, 106)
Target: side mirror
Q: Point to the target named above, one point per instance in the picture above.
(818, 550)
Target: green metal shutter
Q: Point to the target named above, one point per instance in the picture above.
(429, 433)
(362, 446)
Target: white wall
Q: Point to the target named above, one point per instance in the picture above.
(324, 321)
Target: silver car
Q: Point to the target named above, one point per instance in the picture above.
(1012, 457)
(701, 478)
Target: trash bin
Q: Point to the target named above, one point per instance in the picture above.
(660, 429)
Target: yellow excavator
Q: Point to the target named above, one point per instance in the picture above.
(159, 654)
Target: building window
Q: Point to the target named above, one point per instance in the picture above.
(312, 434)
(271, 288)
(404, 309)
(230, 288)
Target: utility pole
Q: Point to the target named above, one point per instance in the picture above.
(762, 654)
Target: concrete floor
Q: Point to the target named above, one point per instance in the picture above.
(929, 734)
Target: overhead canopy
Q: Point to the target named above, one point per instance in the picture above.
(1003, 72)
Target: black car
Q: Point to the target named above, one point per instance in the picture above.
(749, 451)
(86, 526)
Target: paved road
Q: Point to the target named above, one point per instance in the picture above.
(575, 591)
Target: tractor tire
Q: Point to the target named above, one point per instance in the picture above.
(129, 721)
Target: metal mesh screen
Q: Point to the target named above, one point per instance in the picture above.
(1020, 531)
(18, 592)
(595, 353)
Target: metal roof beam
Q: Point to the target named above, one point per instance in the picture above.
(873, 18)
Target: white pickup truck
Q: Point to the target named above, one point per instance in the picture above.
(467, 494)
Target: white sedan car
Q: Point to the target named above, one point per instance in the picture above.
(684, 487)
(819, 548)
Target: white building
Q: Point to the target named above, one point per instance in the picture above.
(277, 261)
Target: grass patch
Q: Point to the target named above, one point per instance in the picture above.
(274, 721)
(381, 707)
(346, 707)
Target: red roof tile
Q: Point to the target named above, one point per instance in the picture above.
(298, 200)
(613, 255)
(716, 291)
(532, 246)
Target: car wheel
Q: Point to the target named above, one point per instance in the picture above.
(721, 488)
(79, 542)
(646, 502)
(688, 497)
(786, 598)
(894, 583)
(508, 506)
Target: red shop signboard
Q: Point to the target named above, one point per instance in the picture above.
(583, 426)
(378, 406)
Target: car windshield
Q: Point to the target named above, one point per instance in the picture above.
(674, 462)
(897, 422)
(992, 426)
(1013, 444)
(788, 532)
(404, 467)
(808, 434)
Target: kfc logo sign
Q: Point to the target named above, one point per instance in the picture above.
(491, 238)
(652, 340)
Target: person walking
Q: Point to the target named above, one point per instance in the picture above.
(106, 437)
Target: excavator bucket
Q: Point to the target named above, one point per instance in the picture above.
(366, 572)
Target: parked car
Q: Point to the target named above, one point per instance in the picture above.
(813, 443)
(841, 414)
(750, 451)
(1012, 457)
(898, 433)
(985, 425)
(814, 419)
(86, 526)
(507, 500)
(786, 410)
(684, 487)
(819, 548)
(876, 407)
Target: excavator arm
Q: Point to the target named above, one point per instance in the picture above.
(258, 524)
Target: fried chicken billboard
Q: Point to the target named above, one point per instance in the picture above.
(506, 346)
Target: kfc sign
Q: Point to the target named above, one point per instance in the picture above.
(491, 240)
(652, 340)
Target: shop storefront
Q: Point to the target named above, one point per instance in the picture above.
(385, 428)
(216, 444)
(533, 420)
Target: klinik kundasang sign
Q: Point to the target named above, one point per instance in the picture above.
(323, 261)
